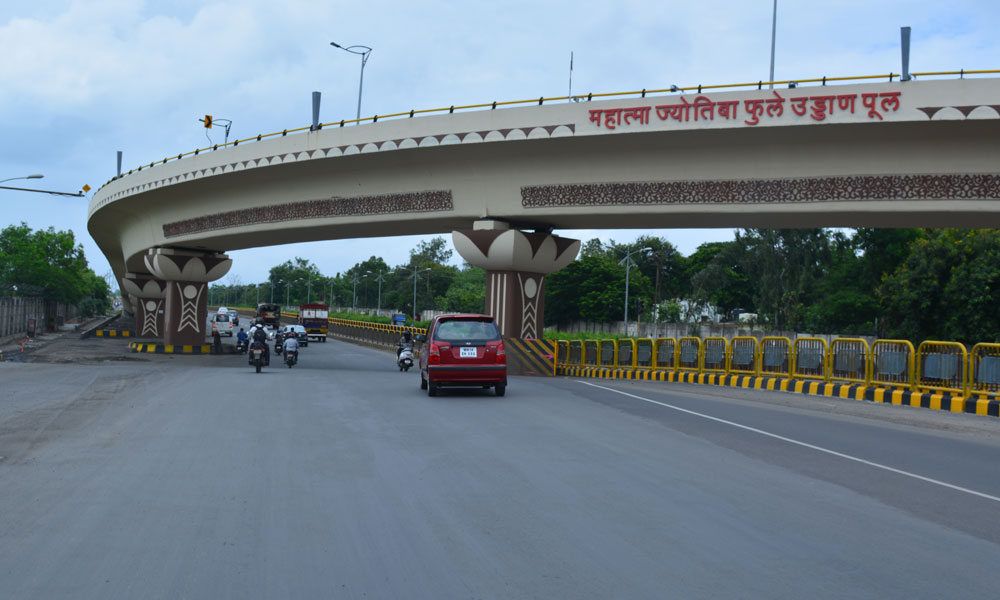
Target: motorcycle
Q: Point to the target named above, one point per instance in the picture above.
(290, 359)
(405, 358)
(279, 343)
(258, 356)
(241, 346)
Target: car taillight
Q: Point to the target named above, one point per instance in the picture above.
(434, 354)
(501, 354)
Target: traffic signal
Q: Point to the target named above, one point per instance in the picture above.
(208, 121)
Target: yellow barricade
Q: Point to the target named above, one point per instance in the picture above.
(644, 352)
(666, 354)
(776, 356)
(984, 370)
(609, 352)
(892, 363)
(743, 356)
(715, 355)
(850, 360)
(689, 354)
(591, 353)
(575, 357)
(562, 352)
(941, 367)
(809, 358)
(625, 354)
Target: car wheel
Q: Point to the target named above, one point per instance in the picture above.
(501, 390)
(423, 383)
(432, 390)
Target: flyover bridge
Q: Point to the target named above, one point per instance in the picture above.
(886, 154)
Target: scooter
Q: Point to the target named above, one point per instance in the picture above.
(258, 355)
(405, 359)
(279, 343)
(290, 359)
(241, 347)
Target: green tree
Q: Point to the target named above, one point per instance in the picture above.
(948, 288)
(467, 292)
(592, 288)
(45, 263)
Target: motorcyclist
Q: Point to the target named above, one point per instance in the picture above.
(241, 339)
(404, 342)
(258, 334)
(292, 345)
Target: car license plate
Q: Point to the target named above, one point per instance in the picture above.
(467, 352)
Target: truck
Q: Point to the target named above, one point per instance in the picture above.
(316, 319)
(269, 313)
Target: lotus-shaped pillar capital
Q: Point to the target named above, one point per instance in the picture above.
(169, 264)
(514, 250)
(143, 286)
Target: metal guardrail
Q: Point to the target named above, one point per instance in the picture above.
(809, 358)
(715, 355)
(822, 81)
(744, 356)
(689, 354)
(941, 367)
(850, 361)
(776, 356)
(984, 370)
(666, 353)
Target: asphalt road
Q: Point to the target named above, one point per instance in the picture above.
(193, 477)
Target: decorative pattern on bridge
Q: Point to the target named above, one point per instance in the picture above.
(770, 191)
(429, 201)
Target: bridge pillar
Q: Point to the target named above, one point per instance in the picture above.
(516, 263)
(148, 295)
(186, 275)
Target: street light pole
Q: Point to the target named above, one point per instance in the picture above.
(379, 279)
(365, 51)
(774, 28)
(33, 176)
(628, 262)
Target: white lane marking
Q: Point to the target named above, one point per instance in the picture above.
(798, 443)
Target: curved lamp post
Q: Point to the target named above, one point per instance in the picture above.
(363, 52)
(34, 176)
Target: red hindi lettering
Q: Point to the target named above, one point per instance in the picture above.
(868, 101)
(728, 108)
(704, 108)
(799, 105)
(822, 106)
(776, 105)
(890, 101)
(595, 116)
(846, 102)
(640, 113)
(612, 117)
(679, 112)
(754, 108)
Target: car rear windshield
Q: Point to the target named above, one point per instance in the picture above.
(462, 330)
(221, 318)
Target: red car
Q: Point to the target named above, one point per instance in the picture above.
(462, 351)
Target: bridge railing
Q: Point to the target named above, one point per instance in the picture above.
(542, 100)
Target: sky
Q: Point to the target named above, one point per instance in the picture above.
(83, 79)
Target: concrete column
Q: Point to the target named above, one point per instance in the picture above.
(186, 275)
(148, 298)
(516, 263)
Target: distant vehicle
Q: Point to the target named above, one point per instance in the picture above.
(463, 350)
(300, 333)
(223, 324)
(398, 319)
(269, 313)
(315, 318)
(235, 316)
